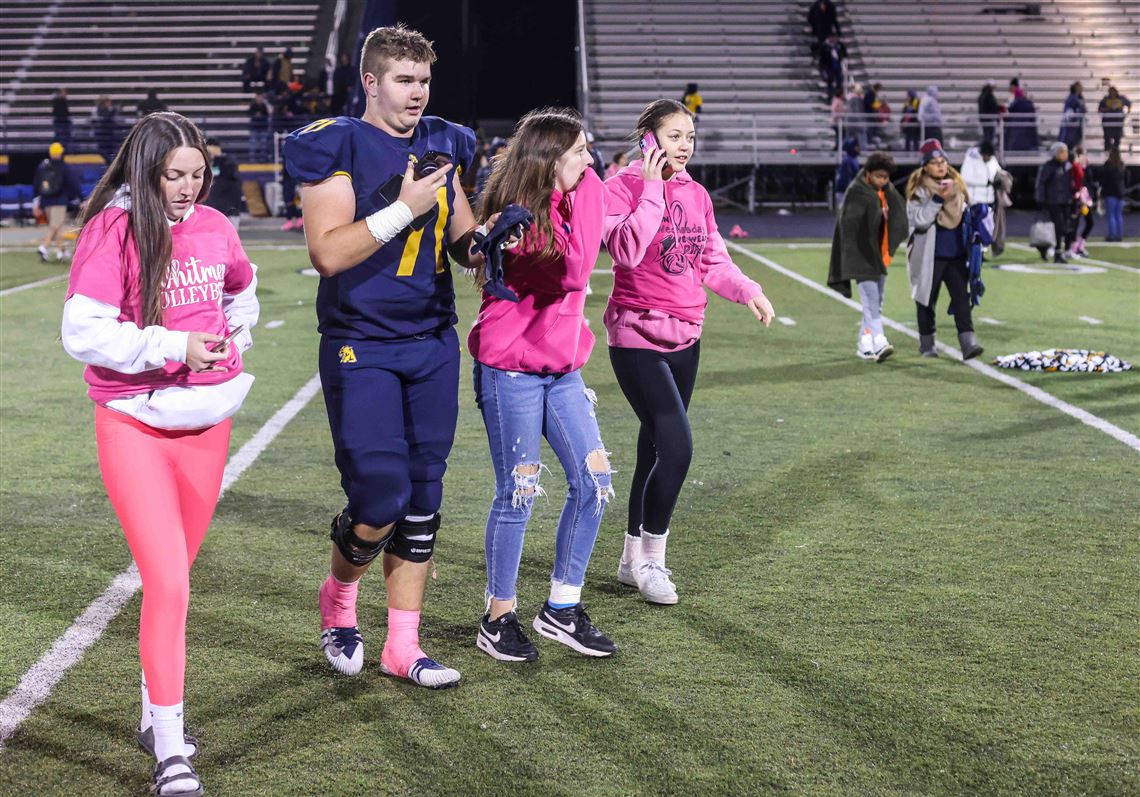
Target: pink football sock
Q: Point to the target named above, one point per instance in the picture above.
(403, 645)
(337, 601)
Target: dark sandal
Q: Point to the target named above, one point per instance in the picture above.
(145, 741)
(159, 781)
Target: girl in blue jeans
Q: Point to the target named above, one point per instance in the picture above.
(528, 355)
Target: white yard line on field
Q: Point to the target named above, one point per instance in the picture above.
(1082, 260)
(29, 285)
(37, 683)
(1085, 417)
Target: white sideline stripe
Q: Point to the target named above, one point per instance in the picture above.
(788, 322)
(27, 286)
(37, 683)
(1085, 417)
(1105, 263)
(993, 322)
(1090, 319)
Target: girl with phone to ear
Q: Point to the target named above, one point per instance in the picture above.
(157, 281)
(662, 235)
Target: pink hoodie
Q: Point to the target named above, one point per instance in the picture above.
(545, 332)
(658, 301)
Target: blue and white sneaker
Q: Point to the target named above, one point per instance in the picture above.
(344, 648)
(426, 672)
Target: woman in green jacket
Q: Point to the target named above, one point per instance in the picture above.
(871, 225)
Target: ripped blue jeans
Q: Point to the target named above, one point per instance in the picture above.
(519, 410)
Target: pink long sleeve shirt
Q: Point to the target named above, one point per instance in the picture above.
(545, 332)
(663, 260)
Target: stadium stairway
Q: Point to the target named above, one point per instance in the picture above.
(192, 55)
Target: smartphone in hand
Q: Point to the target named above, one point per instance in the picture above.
(221, 344)
(648, 142)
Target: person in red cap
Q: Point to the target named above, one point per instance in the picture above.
(936, 205)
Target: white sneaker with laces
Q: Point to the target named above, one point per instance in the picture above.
(881, 348)
(653, 582)
(866, 349)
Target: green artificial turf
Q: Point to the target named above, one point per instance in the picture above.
(899, 578)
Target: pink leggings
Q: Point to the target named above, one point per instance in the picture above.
(164, 486)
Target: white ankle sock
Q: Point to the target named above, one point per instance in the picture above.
(653, 546)
(168, 732)
(631, 552)
(563, 594)
(144, 721)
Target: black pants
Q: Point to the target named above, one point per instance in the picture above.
(1061, 216)
(1112, 136)
(658, 385)
(956, 277)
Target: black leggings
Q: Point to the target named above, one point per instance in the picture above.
(658, 385)
(956, 277)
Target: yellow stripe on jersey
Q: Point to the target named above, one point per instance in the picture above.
(411, 252)
(439, 225)
(320, 124)
(346, 174)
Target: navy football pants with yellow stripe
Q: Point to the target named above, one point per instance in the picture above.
(392, 409)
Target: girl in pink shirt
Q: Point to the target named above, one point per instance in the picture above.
(528, 386)
(157, 284)
(661, 232)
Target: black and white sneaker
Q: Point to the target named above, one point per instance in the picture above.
(504, 639)
(572, 627)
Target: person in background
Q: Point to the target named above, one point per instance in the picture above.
(930, 114)
(838, 112)
(152, 104)
(105, 124)
(1054, 193)
(1113, 108)
(281, 73)
(979, 169)
(1072, 131)
(599, 165)
(847, 169)
(692, 100)
(1084, 201)
(823, 19)
(620, 161)
(159, 286)
(661, 231)
(936, 250)
(225, 191)
(1112, 190)
(256, 71)
(61, 117)
(56, 187)
(1021, 123)
(260, 113)
(831, 56)
(870, 227)
(855, 124)
(343, 80)
(989, 112)
(908, 122)
(872, 112)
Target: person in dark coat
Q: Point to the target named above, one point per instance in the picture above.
(847, 169)
(823, 21)
(255, 71)
(1113, 107)
(870, 227)
(989, 111)
(225, 190)
(1072, 130)
(1112, 192)
(61, 117)
(1054, 193)
(152, 104)
(56, 186)
(1021, 126)
(344, 76)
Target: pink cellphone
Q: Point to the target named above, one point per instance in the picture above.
(221, 344)
(648, 142)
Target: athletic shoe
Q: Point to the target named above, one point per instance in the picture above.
(504, 639)
(654, 584)
(866, 349)
(426, 672)
(344, 648)
(572, 627)
(43, 253)
(288, 225)
(881, 347)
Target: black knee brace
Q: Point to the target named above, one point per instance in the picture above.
(357, 551)
(414, 541)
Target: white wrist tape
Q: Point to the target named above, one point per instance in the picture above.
(386, 224)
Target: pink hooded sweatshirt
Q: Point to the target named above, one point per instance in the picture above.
(545, 331)
(663, 261)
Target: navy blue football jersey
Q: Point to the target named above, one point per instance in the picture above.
(405, 288)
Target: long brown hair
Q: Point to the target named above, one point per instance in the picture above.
(138, 166)
(951, 173)
(523, 171)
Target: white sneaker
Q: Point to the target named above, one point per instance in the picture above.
(881, 348)
(865, 350)
(653, 582)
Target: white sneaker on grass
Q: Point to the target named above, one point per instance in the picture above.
(653, 582)
(881, 348)
(865, 349)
